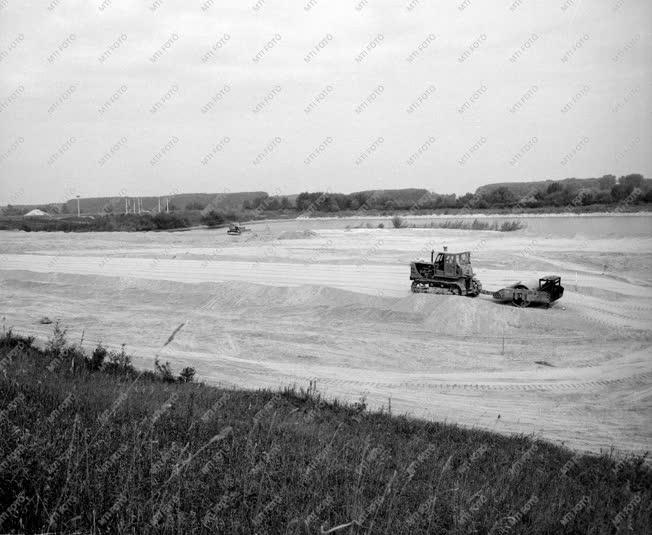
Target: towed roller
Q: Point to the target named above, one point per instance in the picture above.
(520, 295)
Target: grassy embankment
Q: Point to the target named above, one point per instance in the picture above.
(90, 445)
(98, 223)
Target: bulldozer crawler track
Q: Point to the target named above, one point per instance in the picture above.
(634, 380)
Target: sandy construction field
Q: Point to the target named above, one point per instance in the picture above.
(291, 302)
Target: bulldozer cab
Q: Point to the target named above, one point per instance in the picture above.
(452, 264)
(549, 282)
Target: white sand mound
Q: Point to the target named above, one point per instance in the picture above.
(442, 314)
(457, 316)
(297, 235)
(234, 293)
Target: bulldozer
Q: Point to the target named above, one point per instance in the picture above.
(451, 273)
(447, 273)
(235, 229)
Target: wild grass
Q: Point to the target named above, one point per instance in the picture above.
(476, 224)
(506, 226)
(91, 445)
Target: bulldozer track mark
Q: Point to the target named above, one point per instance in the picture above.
(637, 380)
(641, 379)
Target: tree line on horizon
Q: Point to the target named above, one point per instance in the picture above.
(606, 190)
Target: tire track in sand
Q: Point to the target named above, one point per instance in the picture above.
(633, 380)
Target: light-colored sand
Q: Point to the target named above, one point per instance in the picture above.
(336, 307)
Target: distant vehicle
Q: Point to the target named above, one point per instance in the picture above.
(235, 229)
(451, 273)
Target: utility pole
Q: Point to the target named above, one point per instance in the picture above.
(126, 206)
(79, 212)
(167, 206)
(159, 205)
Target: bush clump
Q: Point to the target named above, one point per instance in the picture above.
(212, 219)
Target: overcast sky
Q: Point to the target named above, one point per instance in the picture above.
(445, 95)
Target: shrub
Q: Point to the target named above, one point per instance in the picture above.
(164, 371)
(119, 363)
(212, 219)
(479, 225)
(58, 342)
(187, 375)
(398, 221)
(510, 226)
(381, 225)
(97, 358)
(164, 221)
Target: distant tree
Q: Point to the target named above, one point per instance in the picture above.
(587, 197)
(501, 196)
(603, 197)
(554, 187)
(260, 202)
(343, 201)
(246, 205)
(195, 205)
(619, 192)
(566, 196)
(630, 182)
(212, 219)
(285, 203)
(606, 182)
(164, 221)
(108, 208)
(332, 205)
(273, 204)
(465, 200)
(448, 201)
(303, 201)
(14, 210)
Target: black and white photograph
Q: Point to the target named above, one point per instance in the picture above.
(322, 267)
